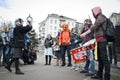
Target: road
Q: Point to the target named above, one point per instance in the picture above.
(39, 71)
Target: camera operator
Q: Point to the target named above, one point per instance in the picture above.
(19, 43)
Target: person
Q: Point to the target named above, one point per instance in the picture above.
(25, 55)
(5, 44)
(32, 56)
(97, 29)
(112, 54)
(10, 45)
(116, 45)
(57, 52)
(48, 49)
(75, 43)
(115, 54)
(64, 42)
(18, 33)
(58, 34)
(89, 67)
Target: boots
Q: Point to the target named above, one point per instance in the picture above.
(18, 71)
(0, 62)
(9, 65)
(46, 59)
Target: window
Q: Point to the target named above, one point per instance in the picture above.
(51, 21)
(55, 33)
(55, 28)
(50, 27)
(72, 24)
(69, 23)
(43, 29)
(55, 21)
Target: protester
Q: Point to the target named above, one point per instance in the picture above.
(89, 67)
(64, 42)
(18, 33)
(75, 43)
(8, 55)
(57, 52)
(5, 44)
(32, 56)
(48, 49)
(115, 54)
(25, 55)
(97, 29)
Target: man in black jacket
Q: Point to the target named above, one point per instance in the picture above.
(19, 43)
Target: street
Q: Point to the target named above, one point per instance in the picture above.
(39, 71)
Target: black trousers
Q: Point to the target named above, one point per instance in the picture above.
(16, 60)
(63, 52)
(48, 59)
(103, 60)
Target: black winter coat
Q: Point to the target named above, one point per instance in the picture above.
(19, 35)
(48, 42)
(117, 36)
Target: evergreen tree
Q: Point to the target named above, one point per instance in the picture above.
(33, 38)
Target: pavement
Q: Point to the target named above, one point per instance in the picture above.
(39, 71)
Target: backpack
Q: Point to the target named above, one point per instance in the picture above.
(109, 31)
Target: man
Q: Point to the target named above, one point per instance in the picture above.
(97, 29)
(19, 42)
(64, 42)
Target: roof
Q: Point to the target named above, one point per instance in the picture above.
(60, 16)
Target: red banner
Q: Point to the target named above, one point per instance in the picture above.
(78, 55)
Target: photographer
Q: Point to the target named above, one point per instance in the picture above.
(19, 43)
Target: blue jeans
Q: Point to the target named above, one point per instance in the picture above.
(0, 51)
(8, 54)
(90, 64)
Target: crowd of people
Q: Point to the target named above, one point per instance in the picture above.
(15, 45)
(67, 40)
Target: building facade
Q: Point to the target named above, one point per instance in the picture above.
(52, 23)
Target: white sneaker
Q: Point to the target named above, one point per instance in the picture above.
(72, 68)
(77, 68)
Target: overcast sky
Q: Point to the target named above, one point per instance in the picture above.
(39, 9)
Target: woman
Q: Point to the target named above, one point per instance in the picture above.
(57, 52)
(48, 49)
(75, 43)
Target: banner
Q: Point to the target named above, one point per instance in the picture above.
(78, 55)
